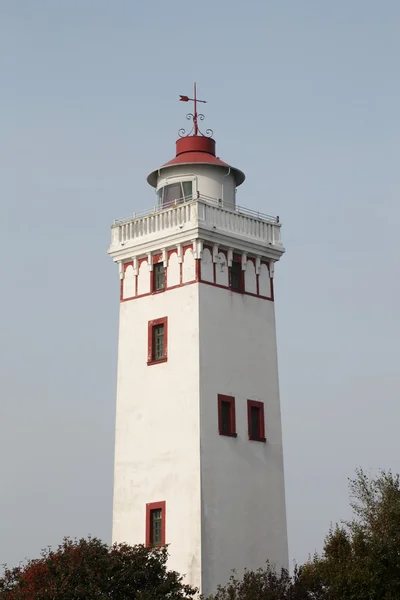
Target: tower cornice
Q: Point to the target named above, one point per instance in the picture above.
(243, 229)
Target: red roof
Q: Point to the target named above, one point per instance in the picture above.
(196, 157)
(196, 149)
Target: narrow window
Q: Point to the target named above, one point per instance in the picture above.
(157, 341)
(226, 415)
(255, 415)
(236, 276)
(255, 421)
(158, 277)
(155, 524)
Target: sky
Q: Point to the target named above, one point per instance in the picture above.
(304, 98)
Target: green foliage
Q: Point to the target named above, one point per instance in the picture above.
(264, 584)
(361, 558)
(91, 570)
(360, 561)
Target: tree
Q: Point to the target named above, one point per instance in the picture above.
(91, 570)
(361, 558)
(263, 584)
(360, 561)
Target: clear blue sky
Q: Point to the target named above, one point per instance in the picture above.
(304, 97)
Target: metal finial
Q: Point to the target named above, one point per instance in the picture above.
(195, 116)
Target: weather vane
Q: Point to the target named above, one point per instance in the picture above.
(195, 116)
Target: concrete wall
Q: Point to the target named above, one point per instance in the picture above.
(242, 481)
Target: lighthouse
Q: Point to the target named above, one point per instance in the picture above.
(198, 445)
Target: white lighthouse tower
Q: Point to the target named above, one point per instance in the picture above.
(198, 449)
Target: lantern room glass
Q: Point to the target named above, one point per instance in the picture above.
(175, 193)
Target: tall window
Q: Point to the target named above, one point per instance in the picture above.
(158, 277)
(155, 524)
(256, 424)
(157, 341)
(226, 415)
(236, 276)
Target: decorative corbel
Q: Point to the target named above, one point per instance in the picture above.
(200, 249)
(150, 261)
(230, 257)
(215, 253)
(271, 265)
(179, 252)
(164, 257)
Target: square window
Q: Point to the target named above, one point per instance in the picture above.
(255, 416)
(236, 277)
(155, 524)
(157, 341)
(158, 277)
(226, 415)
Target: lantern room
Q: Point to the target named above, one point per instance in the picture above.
(196, 171)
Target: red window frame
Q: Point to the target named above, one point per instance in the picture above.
(238, 261)
(261, 421)
(149, 508)
(232, 429)
(156, 261)
(150, 343)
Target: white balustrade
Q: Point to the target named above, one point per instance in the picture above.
(199, 212)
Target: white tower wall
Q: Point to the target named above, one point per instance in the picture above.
(220, 492)
(242, 482)
(157, 455)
